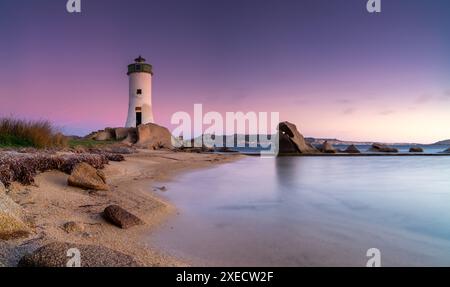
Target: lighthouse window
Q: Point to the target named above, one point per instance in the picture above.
(138, 67)
(139, 92)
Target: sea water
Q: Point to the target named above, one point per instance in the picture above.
(312, 211)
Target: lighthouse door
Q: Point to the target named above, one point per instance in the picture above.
(138, 118)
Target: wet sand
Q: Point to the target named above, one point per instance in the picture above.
(133, 185)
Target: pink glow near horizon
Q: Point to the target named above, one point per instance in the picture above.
(333, 78)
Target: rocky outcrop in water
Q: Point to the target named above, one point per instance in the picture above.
(120, 217)
(328, 148)
(376, 147)
(56, 255)
(291, 141)
(352, 149)
(416, 149)
(87, 177)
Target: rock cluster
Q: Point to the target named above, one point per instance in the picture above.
(150, 136)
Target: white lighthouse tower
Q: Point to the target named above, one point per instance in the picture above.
(140, 101)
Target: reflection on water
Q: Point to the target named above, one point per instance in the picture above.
(319, 211)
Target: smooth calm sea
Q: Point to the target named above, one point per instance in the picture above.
(312, 211)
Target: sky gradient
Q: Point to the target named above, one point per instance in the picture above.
(328, 66)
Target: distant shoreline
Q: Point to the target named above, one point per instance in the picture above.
(364, 154)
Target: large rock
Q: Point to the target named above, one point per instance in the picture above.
(56, 255)
(376, 147)
(122, 133)
(152, 136)
(352, 149)
(328, 148)
(447, 150)
(132, 137)
(292, 141)
(120, 217)
(11, 223)
(87, 177)
(416, 149)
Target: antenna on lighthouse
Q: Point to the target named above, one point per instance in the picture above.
(140, 93)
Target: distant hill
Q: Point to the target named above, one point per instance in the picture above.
(320, 141)
(446, 142)
(246, 139)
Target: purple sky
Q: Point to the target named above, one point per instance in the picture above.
(328, 66)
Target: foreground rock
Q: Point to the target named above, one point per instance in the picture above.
(328, 148)
(416, 149)
(352, 149)
(11, 223)
(87, 177)
(120, 217)
(152, 136)
(292, 141)
(382, 148)
(55, 255)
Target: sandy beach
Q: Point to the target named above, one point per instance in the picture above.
(51, 203)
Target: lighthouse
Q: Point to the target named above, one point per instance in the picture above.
(140, 93)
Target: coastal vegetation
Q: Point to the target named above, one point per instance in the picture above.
(89, 143)
(23, 133)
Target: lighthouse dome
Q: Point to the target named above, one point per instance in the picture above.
(140, 66)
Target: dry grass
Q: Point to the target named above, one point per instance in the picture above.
(22, 133)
